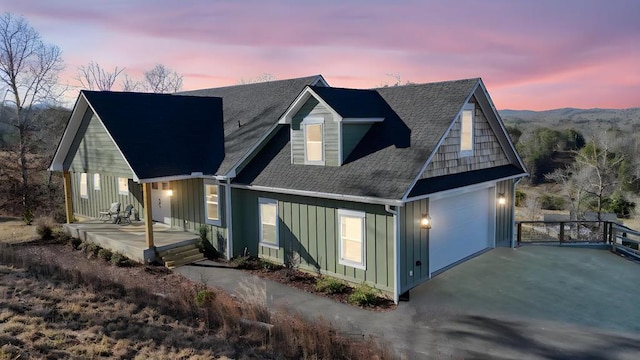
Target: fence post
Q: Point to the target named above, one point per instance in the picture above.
(519, 233)
(561, 237)
(605, 228)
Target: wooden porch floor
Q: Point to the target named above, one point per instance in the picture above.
(129, 239)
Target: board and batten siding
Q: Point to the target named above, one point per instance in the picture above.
(331, 129)
(100, 200)
(414, 245)
(93, 151)
(309, 228)
(487, 151)
(504, 214)
(188, 210)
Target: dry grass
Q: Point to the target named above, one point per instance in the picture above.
(56, 303)
(13, 230)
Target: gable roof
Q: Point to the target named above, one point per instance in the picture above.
(388, 159)
(251, 111)
(162, 135)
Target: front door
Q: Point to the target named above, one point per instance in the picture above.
(161, 202)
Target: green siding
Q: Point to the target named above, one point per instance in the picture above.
(100, 200)
(331, 135)
(93, 151)
(504, 214)
(188, 212)
(308, 231)
(351, 136)
(414, 245)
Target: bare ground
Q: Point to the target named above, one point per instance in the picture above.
(13, 230)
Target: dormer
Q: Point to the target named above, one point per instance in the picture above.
(327, 123)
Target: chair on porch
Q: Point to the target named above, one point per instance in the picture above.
(126, 214)
(108, 214)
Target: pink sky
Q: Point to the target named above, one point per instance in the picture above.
(536, 55)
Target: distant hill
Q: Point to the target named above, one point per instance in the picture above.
(585, 120)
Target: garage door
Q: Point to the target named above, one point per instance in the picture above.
(462, 226)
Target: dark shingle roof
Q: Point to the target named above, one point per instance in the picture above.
(352, 103)
(256, 107)
(387, 159)
(160, 134)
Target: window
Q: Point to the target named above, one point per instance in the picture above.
(268, 222)
(352, 239)
(313, 142)
(123, 186)
(96, 181)
(84, 186)
(212, 203)
(466, 131)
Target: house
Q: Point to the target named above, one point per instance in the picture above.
(388, 186)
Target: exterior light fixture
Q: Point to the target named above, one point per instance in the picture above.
(169, 192)
(502, 199)
(425, 221)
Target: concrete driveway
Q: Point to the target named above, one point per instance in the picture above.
(525, 303)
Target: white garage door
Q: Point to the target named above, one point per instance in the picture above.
(462, 226)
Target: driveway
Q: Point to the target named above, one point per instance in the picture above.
(526, 303)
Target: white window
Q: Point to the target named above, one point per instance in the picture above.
(212, 203)
(466, 131)
(96, 181)
(84, 186)
(313, 141)
(352, 238)
(123, 186)
(268, 222)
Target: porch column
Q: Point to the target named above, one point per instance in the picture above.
(148, 222)
(68, 203)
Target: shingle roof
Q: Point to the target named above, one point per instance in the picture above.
(160, 134)
(250, 111)
(387, 159)
(352, 103)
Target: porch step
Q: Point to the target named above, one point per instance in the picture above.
(181, 256)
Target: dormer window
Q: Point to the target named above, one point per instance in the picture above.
(466, 130)
(313, 141)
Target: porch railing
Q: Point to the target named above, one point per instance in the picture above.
(563, 232)
(625, 240)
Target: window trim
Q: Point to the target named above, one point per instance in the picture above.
(96, 182)
(363, 251)
(471, 108)
(313, 121)
(217, 222)
(84, 190)
(121, 191)
(268, 201)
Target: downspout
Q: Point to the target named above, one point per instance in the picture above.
(513, 213)
(396, 246)
(229, 219)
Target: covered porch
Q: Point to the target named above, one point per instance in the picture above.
(131, 239)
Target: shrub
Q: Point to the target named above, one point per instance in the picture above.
(75, 243)
(105, 254)
(244, 262)
(60, 236)
(44, 228)
(119, 260)
(551, 202)
(521, 197)
(27, 217)
(330, 285)
(204, 296)
(364, 295)
(91, 249)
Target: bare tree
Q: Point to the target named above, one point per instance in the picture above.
(94, 77)
(29, 68)
(265, 77)
(161, 79)
(573, 180)
(130, 84)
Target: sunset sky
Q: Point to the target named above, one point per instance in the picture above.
(536, 55)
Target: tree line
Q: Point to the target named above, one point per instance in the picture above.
(599, 173)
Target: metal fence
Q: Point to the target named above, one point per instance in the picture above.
(563, 232)
(625, 240)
